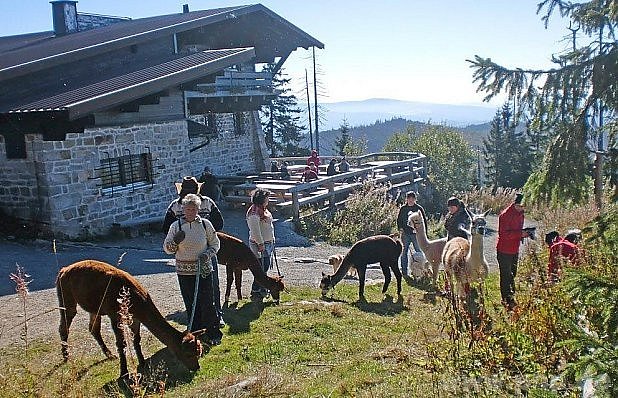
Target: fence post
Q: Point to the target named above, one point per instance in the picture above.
(295, 207)
(331, 189)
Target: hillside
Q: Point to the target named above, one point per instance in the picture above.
(378, 133)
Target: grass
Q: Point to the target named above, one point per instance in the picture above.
(303, 347)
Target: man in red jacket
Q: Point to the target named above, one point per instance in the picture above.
(510, 235)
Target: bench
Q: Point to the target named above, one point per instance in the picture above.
(132, 228)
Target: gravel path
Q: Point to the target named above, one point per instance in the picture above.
(300, 261)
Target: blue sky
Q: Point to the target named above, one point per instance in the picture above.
(403, 49)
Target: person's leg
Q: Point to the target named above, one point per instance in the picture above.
(415, 243)
(187, 290)
(406, 239)
(256, 288)
(505, 276)
(514, 260)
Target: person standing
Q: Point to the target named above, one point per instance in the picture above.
(193, 241)
(457, 221)
(314, 158)
(408, 234)
(510, 235)
(331, 170)
(261, 236)
(208, 210)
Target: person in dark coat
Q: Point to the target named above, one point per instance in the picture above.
(408, 234)
(331, 170)
(457, 221)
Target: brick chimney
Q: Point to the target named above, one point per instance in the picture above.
(64, 13)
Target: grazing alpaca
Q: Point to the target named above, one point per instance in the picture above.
(432, 248)
(237, 257)
(96, 287)
(418, 265)
(335, 260)
(379, 248)
(464, 260)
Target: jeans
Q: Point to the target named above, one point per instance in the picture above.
(205, 315)
(407, 239)
(265, 260)
(508, 270)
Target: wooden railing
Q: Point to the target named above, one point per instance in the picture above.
(409, 169)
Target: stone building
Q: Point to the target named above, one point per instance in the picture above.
(100, 117)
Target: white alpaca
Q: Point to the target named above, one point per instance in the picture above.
(464, 260)
(418, 264)
(432, 248)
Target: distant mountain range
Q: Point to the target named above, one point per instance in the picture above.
(378, 132)
(368, 111)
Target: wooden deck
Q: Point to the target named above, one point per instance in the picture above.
(328, 192)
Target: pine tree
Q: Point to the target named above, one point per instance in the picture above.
(506, 152)
(561, 102)
(344, 139)
(281, 119)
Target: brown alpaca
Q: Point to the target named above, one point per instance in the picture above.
(375, 249)
(335, 260)
(464, 260)
(432, 248)
(238, 257)
(96, 287)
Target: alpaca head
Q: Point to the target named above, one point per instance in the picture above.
(478, 222)
(418, 265)
(276, 290)
(326, 284)
(335, 260)
(415, 219)
(190, 349)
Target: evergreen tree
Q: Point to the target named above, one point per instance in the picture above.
(281, 119)
(563, 101)
(506, 152)
(401, 141)
(344, 139)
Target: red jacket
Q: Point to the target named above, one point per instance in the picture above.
(560, 251)
(510, 224)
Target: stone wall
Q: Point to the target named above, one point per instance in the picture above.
(59, 186)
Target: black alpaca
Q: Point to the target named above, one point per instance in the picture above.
(375, 249)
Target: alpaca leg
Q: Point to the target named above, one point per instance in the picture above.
(398, 276)
(435, 270)
(238, 277)
(361, 280)
(121, 344)
(137, 339)
(229, 277)
(95, 330)
(68, 310)
(387, 276)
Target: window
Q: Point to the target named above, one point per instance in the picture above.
(126, 170)
(239, 123)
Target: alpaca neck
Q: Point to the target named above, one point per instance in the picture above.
(475, 255)
(260, 276)
(422, 236)
(150, 317)
(341, 272)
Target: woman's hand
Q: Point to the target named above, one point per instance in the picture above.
(260, 247)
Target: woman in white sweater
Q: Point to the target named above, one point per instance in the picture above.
(193, 241)
(261, 236)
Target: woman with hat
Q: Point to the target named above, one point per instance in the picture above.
(208, 210)
(261, 236)
(193, 241)
(457, 221)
